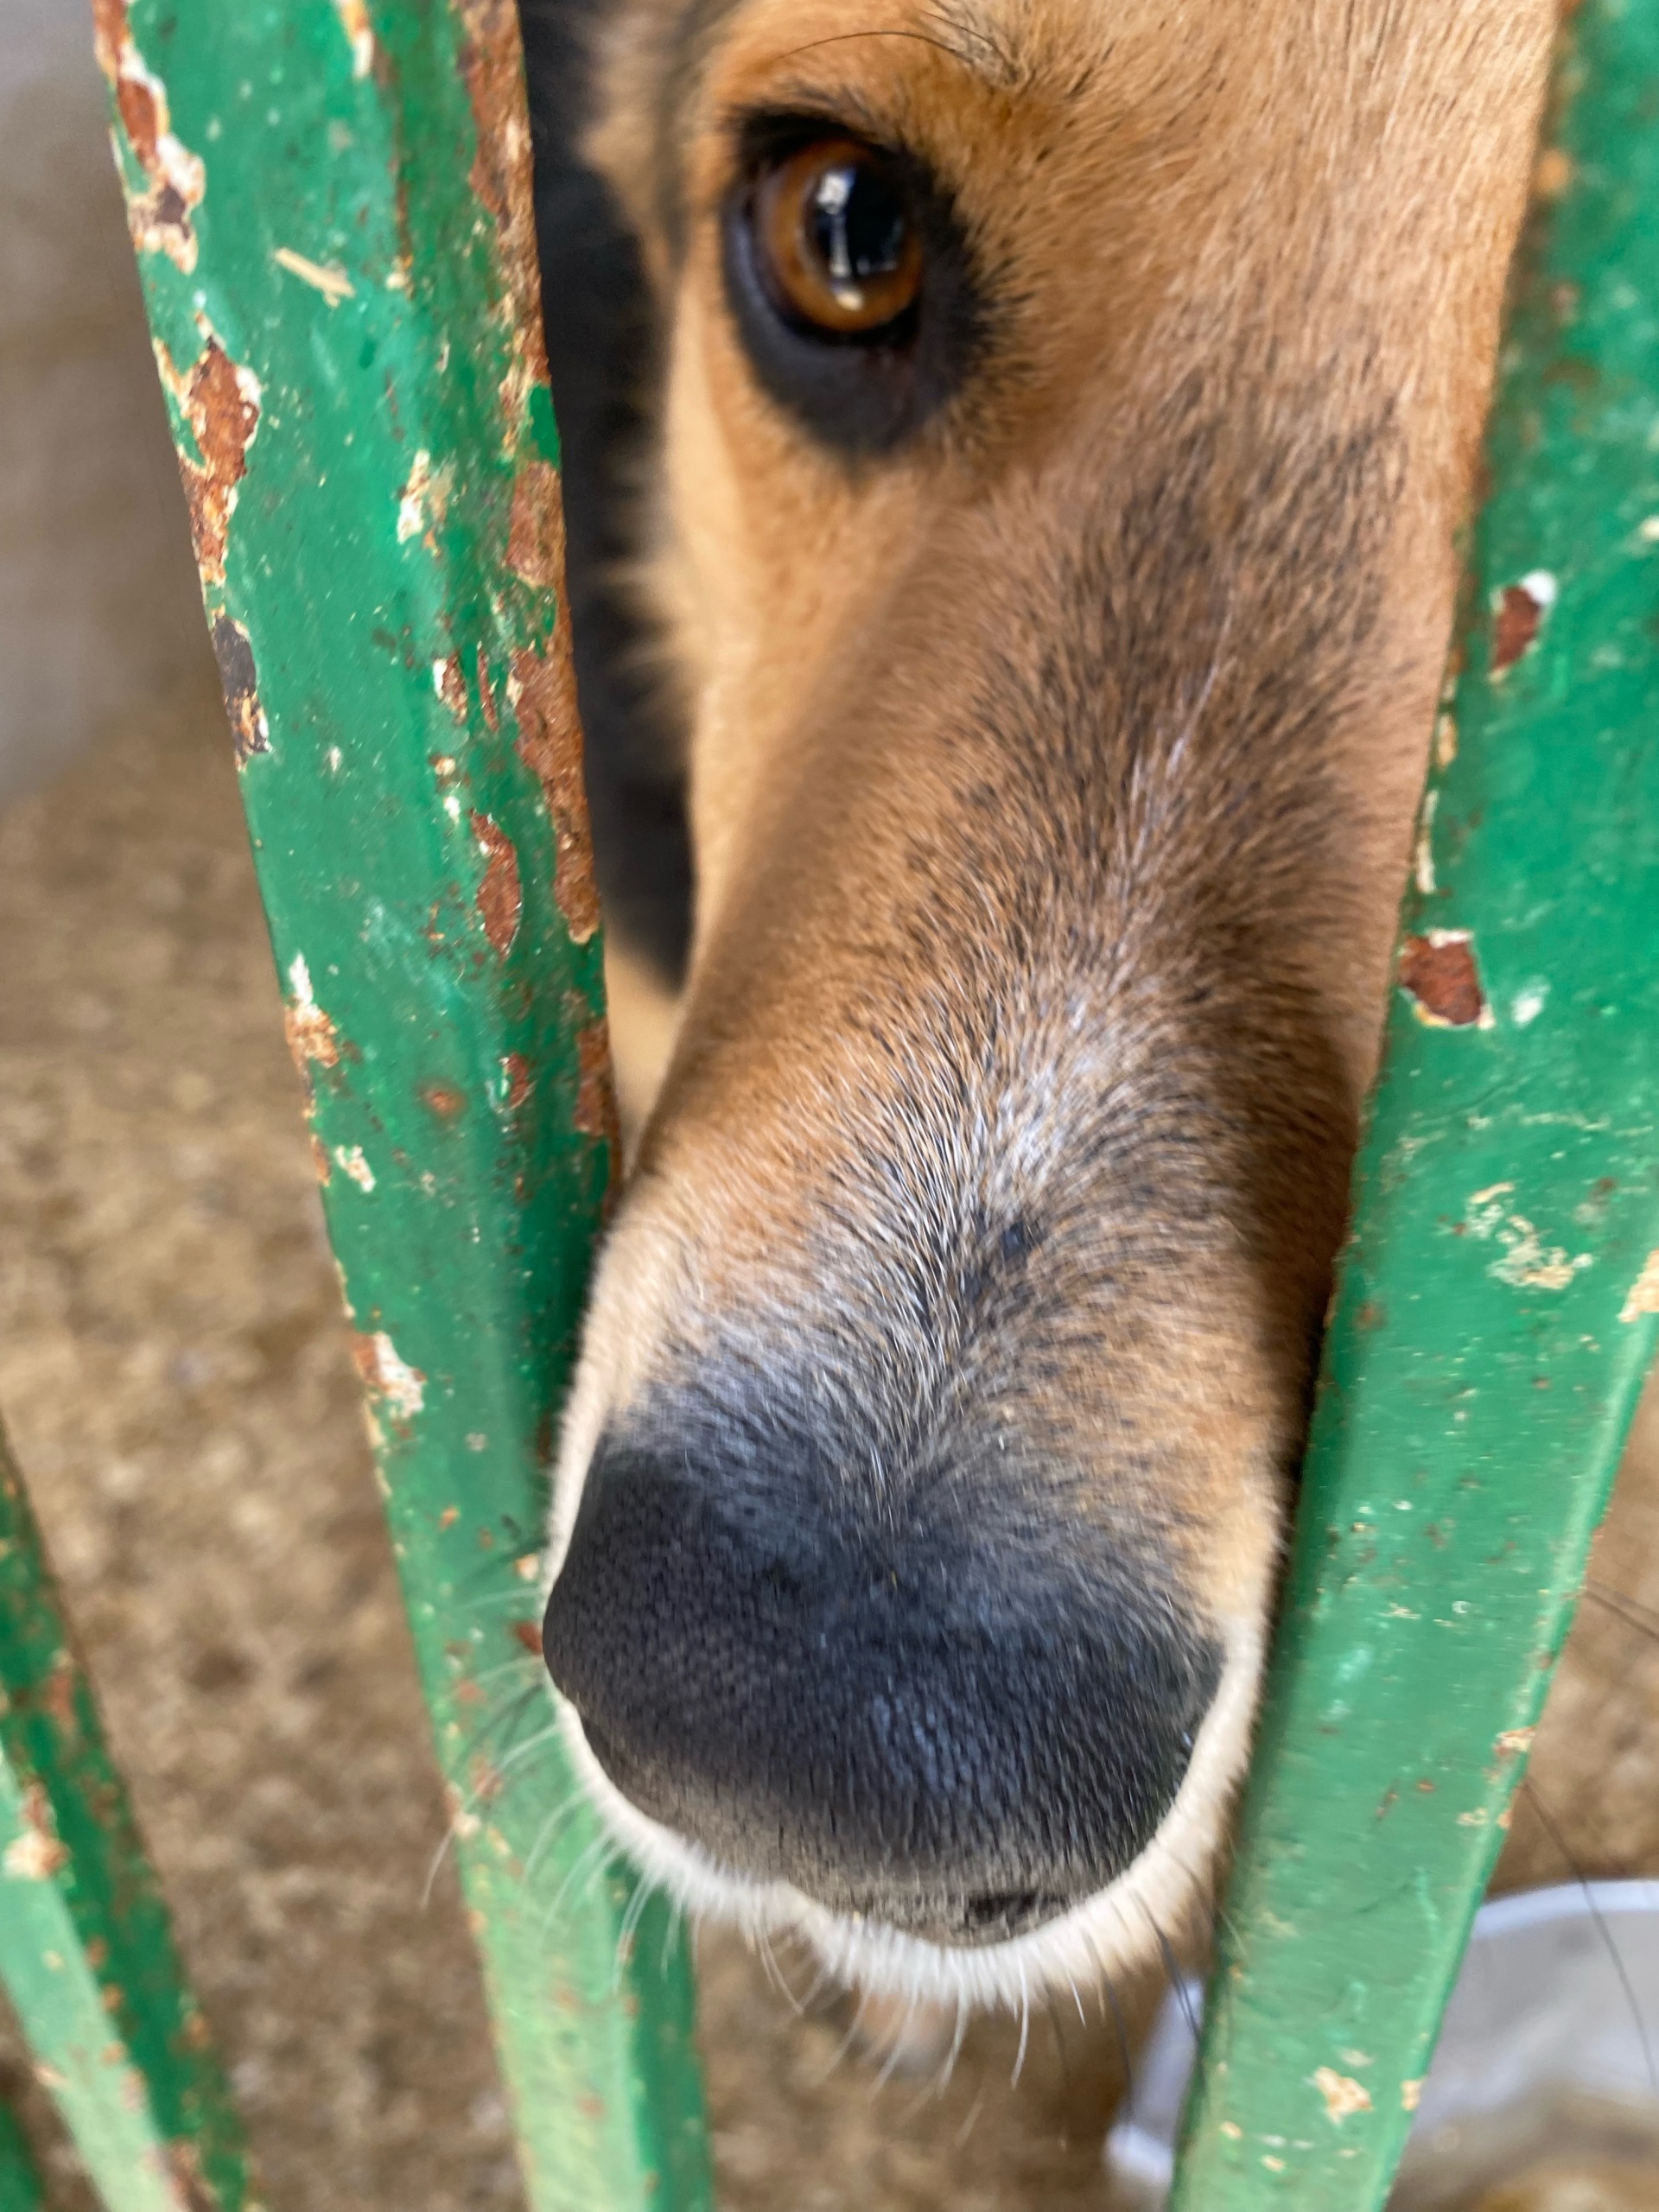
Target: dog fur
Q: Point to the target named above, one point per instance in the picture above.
(1045, 774)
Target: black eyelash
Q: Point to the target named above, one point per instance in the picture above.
(862, 392)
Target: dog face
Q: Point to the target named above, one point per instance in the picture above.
(1067, 411)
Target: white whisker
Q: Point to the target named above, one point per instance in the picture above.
(1024, 2030)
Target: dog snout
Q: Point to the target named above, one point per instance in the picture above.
(919, 1702)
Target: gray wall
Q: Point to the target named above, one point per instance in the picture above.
(98, 593)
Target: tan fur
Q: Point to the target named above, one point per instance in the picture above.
(1268, 232)
(643, 1017)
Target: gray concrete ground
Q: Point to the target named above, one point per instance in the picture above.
(97, 593)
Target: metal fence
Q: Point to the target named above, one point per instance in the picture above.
(331, 207)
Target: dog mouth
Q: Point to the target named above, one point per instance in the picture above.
(929, 1913)
(982, 1949)
(920, 1919)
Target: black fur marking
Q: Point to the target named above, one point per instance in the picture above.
(600, 348)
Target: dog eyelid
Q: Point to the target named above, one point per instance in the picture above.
(849, 277)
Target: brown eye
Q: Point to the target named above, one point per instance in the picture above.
(837, 238)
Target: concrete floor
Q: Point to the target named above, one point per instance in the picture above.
(99, 603)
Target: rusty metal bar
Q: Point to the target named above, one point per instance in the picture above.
(331, 207)
(1494, 1314)
(86, 1953)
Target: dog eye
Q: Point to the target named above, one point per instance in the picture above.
(837, 240)
(850, 281)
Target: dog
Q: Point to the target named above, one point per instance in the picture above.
(1015, 455)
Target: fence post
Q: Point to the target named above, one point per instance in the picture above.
(1495, 1312)
(331, 206)
(86, 1949)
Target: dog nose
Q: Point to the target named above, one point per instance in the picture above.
(952, 1707)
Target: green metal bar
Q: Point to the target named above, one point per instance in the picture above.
(1495, 1312)
(20, 2187)
(331, 204)
(86, 1954)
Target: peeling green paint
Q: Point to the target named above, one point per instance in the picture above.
(331, 207)
(86, 1954)
(1494, 1314)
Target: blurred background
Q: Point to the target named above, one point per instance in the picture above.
(174, 1376)
(98, 592)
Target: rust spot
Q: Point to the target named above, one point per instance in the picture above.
(311, 1037)
(1343, 2095)
(160, 217)
(543, 693)
(58, 1696)
(529, 1633)
(354, 20)
(389, 1380)
(220, 401)
(516, 1069)
(36, 1854)
(445, 1099)
(423, 501)
(500, 898)
(536, 540)
(1520, 611)
(1644, 1292)
(250, 731)
(493, 73)
(1438, 976)
(319, 1159)
(189, 2182)
(487, 694)
(354, 1162)
(595, 1098)
(450, 684)
(1518, 617)
(487, 1781)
